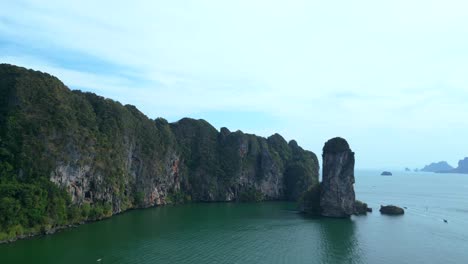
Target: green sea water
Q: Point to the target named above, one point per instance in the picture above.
(273, 232)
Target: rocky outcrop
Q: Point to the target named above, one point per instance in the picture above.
(391, 210)
(386, 173)
(334, 196)
(337, 197)
(361, 208)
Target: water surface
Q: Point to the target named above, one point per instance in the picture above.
(273, 232)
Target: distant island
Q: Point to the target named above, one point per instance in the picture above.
(437, 167)
(444, 167)
(462, 167)
(386, 173)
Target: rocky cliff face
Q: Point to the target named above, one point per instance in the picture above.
(337, 197)
(104, 158)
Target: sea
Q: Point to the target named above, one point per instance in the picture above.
(275, 232)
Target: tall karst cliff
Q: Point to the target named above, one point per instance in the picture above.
(69, 156)
(334, 196)
(337, 188)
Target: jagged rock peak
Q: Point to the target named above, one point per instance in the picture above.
(337, 193)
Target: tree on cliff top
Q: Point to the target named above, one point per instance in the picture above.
(336, 145)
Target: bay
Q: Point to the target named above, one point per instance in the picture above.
(273, 232)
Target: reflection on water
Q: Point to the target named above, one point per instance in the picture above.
(336, 240)
(339, 241)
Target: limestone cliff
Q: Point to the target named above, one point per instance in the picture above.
(83, 157)
(337, 197)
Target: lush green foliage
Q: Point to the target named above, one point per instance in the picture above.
(336, 145)
(361, 208)
(251, 195)
(41, 122)
(48, 132)
(310, 200)
(297, 174)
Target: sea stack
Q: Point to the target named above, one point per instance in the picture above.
(337, 197)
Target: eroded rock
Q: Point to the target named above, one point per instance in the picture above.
(337, 189)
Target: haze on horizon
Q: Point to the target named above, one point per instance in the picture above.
(390, 77)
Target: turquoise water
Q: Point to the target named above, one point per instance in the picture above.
(273, 232)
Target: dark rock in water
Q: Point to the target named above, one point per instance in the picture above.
(337, 191)
(440, 166)
(407, 169)
(391, 210)
(386, 173)
(361, 208)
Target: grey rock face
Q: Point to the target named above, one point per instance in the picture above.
(337, 193)
(253, 170)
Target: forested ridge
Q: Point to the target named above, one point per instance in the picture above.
(67, 157)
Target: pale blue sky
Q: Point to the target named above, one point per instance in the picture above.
(389, 76)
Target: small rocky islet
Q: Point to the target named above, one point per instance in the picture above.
(391, 210)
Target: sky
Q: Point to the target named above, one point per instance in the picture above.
(389, 76)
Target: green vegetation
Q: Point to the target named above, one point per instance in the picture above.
(361, 208)
(42, 124)
(67, 157)
(251, 195)
(297, 174)
(310, 200)
(336, 145)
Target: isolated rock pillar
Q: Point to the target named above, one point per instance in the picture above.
(337, 197)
